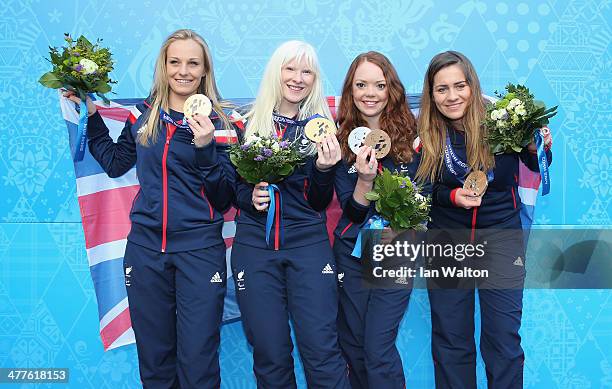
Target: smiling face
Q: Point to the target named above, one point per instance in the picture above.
(185, 68)
(451, 92)
(370, 92)
(297, 79)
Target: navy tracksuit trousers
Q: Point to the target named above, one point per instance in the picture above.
(176, 307)
(501, 305)
(297, 284)
(368, 323)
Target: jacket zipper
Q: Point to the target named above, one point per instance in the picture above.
(474, 213)
(208, 202)
(276, 221)
(169, 132)
(346, 228)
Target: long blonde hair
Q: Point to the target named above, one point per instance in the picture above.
(269, 97)
(432, 125)
(160, 90)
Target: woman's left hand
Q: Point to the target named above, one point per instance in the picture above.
(203, 129)
(328, 153)
(532, 148)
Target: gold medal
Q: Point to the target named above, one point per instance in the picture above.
(317, 128)
(476, 182)
(197, 103)
(379, 141)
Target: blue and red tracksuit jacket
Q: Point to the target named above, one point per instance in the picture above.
(183, 189)
(500, 206)
(355, 215)
(300, 219)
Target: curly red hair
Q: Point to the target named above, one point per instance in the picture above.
(396, 119)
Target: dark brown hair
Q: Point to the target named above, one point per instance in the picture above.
(433, 125)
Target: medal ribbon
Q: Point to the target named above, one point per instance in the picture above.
(291, 122)
(376, 222)
(272, 212)
(456, 166)
(164, 117)
(81, 138)
(542, 163)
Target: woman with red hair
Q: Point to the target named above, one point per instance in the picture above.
(368, 320)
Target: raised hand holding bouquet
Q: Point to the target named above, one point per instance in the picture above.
(516, 120)
(80, 67)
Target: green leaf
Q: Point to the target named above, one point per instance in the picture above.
(102, 87)
(50, 80)
(372, 196)
(84, 42)
(285, 170)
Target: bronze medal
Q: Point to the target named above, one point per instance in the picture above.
(379, 141)
(476, 182)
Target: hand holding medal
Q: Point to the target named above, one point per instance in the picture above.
(369, 146)
(196, 109)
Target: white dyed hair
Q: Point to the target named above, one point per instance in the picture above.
(269, 97)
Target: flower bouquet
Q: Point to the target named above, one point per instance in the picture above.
(514, 119)
(267, 159)
(81, 67)
(399, 201)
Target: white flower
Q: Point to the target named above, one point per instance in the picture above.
(520, 110)
(513, 103)
(494, 115)
(88, 65)
(253, 138)
(275, 146)
(419, 197)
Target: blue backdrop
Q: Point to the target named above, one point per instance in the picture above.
(560, 48)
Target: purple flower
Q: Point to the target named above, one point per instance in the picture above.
(76, 54)
(284, 144)
(245, 147)
(259, 158)
(78, 67)
(267, 152)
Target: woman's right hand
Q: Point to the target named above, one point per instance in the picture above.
(71, 95)
(260, 197)
(366, 169)
(467, 199)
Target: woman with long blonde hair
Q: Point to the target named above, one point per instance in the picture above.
(294, 276)
(454, 145)
(175, 255)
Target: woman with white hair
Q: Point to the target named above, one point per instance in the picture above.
(293, 277)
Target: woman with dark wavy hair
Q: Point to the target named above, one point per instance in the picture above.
(368, 320)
